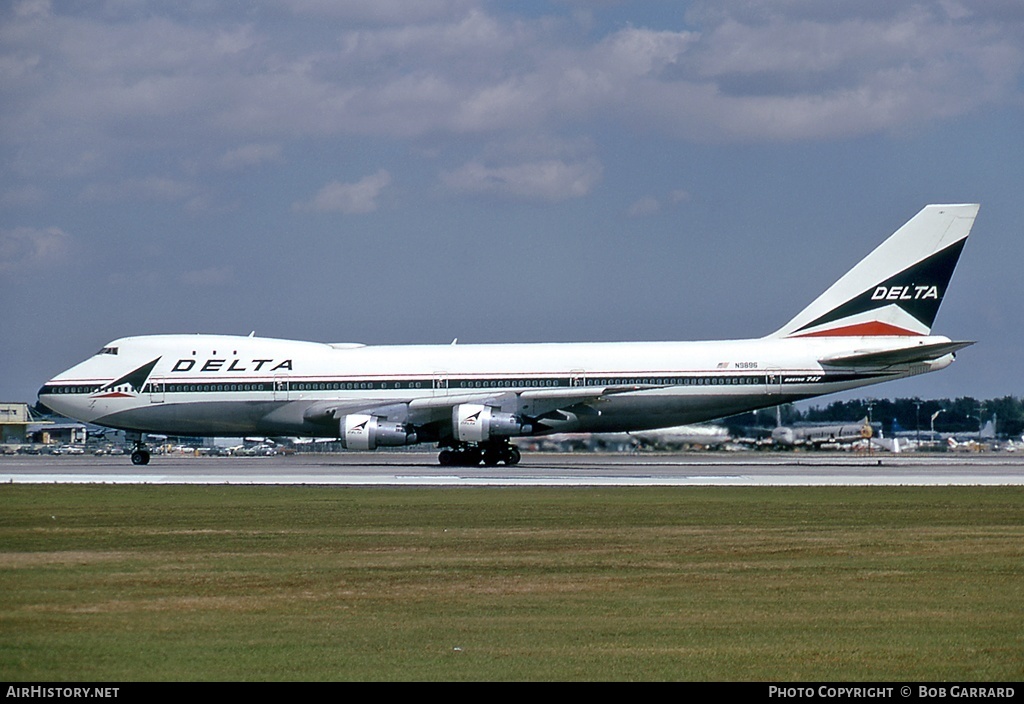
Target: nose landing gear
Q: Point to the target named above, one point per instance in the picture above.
(140, 454)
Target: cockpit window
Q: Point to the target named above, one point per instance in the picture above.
(108, 350)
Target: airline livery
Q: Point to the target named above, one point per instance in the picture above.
(872, 325)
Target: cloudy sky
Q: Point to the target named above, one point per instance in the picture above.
(395, 171)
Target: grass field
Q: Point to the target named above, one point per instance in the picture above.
(127, 583)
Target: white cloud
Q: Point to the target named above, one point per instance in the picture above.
(549, 180)
(141, 82)
(29, 248)
(803, 71)
(33, 8)
(381, 11)
(349, 198)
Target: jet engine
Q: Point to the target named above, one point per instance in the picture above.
(474, 422)
(361, 431)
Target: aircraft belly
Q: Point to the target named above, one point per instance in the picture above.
(201, 419)
(639, 412)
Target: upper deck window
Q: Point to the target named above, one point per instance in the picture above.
(108, 350)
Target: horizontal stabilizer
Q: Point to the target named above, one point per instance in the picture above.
(903, 355)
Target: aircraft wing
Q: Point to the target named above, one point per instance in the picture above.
(885, 358)
(529, 402)
(533, 403)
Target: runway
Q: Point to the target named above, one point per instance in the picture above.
(536, 469)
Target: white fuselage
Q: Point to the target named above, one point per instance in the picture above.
(227, 385)
(871, 325)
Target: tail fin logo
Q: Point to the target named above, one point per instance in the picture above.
(897, 288)
(916, 291)
(905, 293)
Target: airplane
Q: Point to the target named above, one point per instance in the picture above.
(679, 436)
(873, 325)
(974, 439)
(1013, 445)
(673, 438)
(826, 434)
(579, 442)
(986, 433)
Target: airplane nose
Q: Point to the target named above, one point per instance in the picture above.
(48, 401)
(40, 405)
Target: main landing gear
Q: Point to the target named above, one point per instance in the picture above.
(491, 454)
(140, 454)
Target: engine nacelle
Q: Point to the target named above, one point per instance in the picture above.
(474, 422)
(361, 431)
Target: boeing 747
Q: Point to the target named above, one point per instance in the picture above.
(872, 325)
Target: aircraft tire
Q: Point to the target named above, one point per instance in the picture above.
(470, 457)
(463, 457)
(140, 457)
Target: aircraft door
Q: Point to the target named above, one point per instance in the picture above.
(280, 387)
(157, 389)
(440, 385)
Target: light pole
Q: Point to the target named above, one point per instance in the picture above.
(934, 416)
(871, 404)
(917, 421)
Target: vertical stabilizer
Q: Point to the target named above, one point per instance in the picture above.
(897, 289)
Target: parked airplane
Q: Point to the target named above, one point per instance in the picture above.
(1014, 445)
(986, 433)
(826, 434)
(972, 440)
(872, 325)
(674, 438)
(679, 436)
